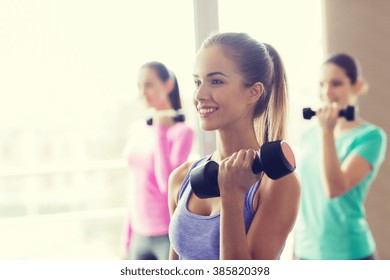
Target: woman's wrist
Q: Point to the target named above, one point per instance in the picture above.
(164, 117)
(328, 133)
(233, 196)
(163, 120)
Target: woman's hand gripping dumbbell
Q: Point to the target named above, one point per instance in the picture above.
(176, 116)
(348, 113)
(276, 160)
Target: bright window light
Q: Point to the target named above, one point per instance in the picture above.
(68, 72)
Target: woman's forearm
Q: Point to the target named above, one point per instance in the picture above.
(233, 241)
(168, 157)
(162, 163)
(334, 179)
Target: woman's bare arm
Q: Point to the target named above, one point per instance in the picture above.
(174, 183)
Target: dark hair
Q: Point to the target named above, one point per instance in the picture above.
(164, 74)
(258, 62)
(346, 62)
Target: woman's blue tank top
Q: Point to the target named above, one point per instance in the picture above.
(196, 237)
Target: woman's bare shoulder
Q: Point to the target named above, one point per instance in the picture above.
(177, 177)
(286, 186)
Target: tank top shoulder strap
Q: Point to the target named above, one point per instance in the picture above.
(251, 195)
(187, 178)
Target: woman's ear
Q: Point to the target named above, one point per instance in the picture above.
(169, 84)
(360, 87)
(255, 92)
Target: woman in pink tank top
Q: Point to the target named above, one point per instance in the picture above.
(155, 147)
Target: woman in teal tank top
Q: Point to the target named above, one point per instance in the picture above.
(241, 93)
(339, 159)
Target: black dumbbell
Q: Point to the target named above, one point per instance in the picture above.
(276, 160)
(348, 113)
(179, 117)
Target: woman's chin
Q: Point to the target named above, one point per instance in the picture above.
(207, 127)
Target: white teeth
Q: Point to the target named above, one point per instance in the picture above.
(207, 111)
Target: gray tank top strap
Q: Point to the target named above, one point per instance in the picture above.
(187, 178)
(250, 196)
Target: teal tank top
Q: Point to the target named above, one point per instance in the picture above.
(336, 228)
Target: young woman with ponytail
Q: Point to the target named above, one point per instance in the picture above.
(241, 93)
(339, 161)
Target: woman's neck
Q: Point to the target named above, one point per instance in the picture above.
(233, 140)
(164, 107)
(344, 125)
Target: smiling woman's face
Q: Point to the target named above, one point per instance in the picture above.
(220, 93)
(335, 85)
(152, 90)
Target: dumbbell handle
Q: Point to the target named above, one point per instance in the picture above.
(178, 118)
(348, 113)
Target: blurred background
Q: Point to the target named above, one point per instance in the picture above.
(68, 92)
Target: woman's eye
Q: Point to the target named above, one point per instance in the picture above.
(197, 83)
(148, 85)
(216, 82)
(337, 84)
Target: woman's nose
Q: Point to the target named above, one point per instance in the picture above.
(201, 93)
(141, 92)
(326, 92)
